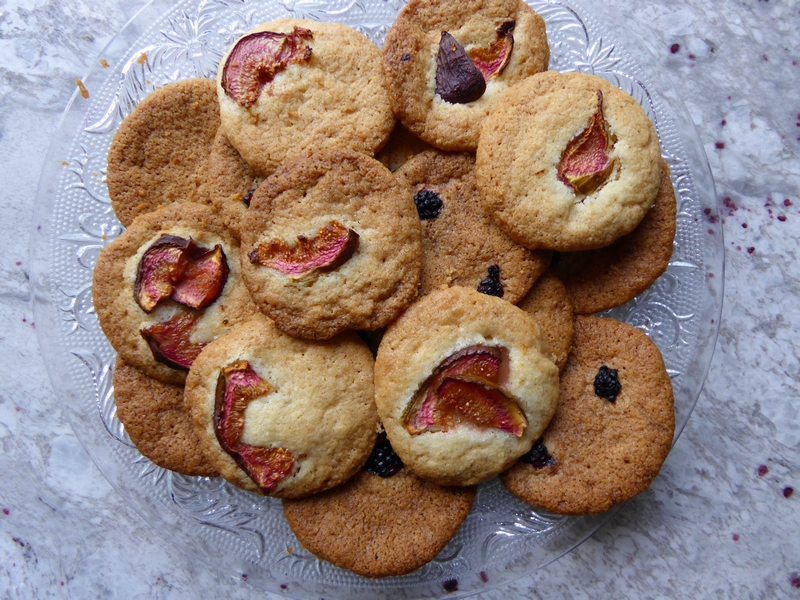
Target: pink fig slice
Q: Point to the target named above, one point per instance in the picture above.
(257, 58)
(202, 280)
(585, 164)
(170, 341)
(160, 267)
(333, 245)
(493, 59)
(465, 402)
(237, 386)
(458, 80)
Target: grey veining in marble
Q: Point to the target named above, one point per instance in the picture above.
(714, 524)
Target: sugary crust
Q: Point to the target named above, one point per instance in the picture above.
(548, 304)
(336, 100)
(410, 52)
(375, 283)
(379, 527)
(320, 406)
(600, 279)
(431, 330)
(460, 245)
(158, 153)
(605, 453)
(521, 146)
(120, 316)
(157, 422)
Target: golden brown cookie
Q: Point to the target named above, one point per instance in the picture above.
(158, 154)
(462, 385)
(168, 285)
(402, 145)
(613, 427)
(157, 422)
(600, 279)
(549, 305)
(460, 242)
(443, 88)
(329, 243)
(280, 415)
(568, 161)
(292, 87)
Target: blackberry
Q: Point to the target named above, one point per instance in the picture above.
(491, 286)
(538, 457)
(606, 384)
(383, 461)
(429, 204)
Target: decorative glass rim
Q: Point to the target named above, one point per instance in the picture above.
(72, 222)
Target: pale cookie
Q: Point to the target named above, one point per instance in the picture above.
(293, 87)
(461, 245)
(158, 153)
(492, 46)
(157, 422)
(298, 415)
(463, 386)
(548, 304)
(329, 243)
(613, 427)
(168, 285)
(568, 161)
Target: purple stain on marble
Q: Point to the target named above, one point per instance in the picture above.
(719, 145)
(244, 576)
(751, 249)
(788, 491)
(675, 48)
(451, 585)
(735, 537)
(744, 225)
(787, 202)
(762, 469)
(484, 577)
(723, 122)
(730, 205)
(781, 218)
(796, 581)
(283, 586)
(6, 512)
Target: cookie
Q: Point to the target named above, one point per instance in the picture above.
(549, 305)
(157, 422)
(460, 242)
(462, 386)
(379, 525)
(600, 279)
(447, 63)
(292, 87)
(613, 427)
(329, 243)
(158, 153)
(402, 145)
(168, 285)
(298, 415)
(568, 161)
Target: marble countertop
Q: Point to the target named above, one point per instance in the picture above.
(720, 520)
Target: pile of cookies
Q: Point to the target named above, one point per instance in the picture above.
(367, 319)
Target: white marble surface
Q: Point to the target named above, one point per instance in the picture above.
(711, 525)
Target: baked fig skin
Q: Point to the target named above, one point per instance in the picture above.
(493, 59)
(458, 80)
(160, 267)
(203, 279)
(170, 341)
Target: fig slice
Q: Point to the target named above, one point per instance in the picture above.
(202, 280)
(333, 245)
(585, 164)
(170, 341)
(466, 390)
(160, 267)
(238, 385)
(458, 80)
(493, 59)
(257, 58)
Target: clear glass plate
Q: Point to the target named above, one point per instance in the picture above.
(241, 534)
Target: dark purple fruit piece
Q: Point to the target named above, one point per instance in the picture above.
(237, 386)
(538, 456)
(429, 204)
(160, 267)
(493, 59)
(458, 80)
(491, 286)
(203, 279)
(170, 341)
(258, 57)
(451, 585)
(606, 384)
(383, 461)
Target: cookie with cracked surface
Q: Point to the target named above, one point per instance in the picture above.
(331, 242)
(460, 242)
(448, 62)
(157, 421)
(167, 286)
(597, 280)
(280, 415)
(463, 386)
(548, 304)
(568, 162)
(158, 154)
(292, 87)
(613, 427)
